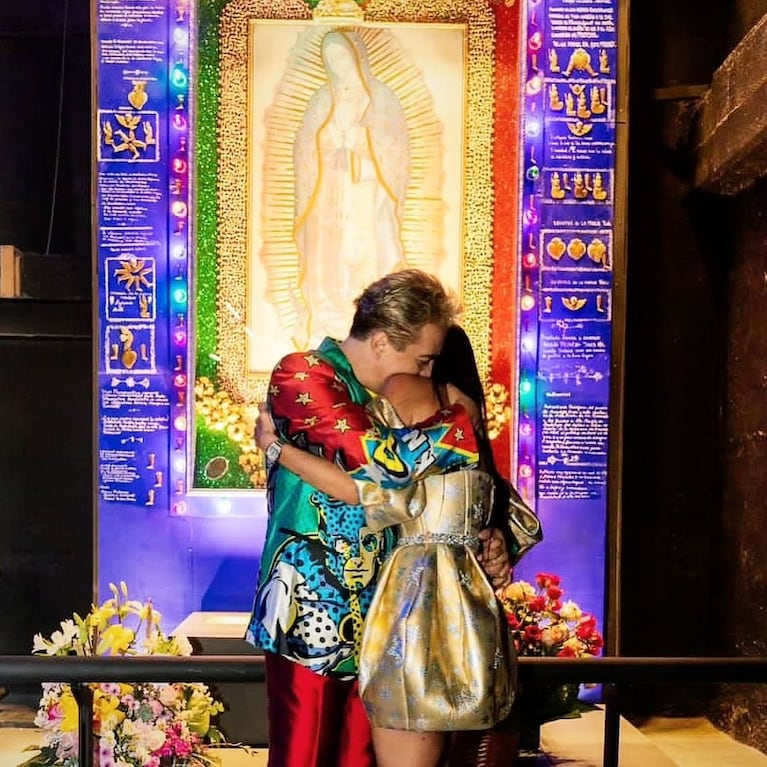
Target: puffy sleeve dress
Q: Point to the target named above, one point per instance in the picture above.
(435, 653)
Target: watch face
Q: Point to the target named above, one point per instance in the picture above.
(273, 452)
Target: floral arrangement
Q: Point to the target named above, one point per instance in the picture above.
(542, 623)
(134, 725)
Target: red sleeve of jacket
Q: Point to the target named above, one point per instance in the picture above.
(314, 410)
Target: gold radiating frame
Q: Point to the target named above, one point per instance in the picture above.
(476, 253)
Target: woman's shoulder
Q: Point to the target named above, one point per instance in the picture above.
(412, 396)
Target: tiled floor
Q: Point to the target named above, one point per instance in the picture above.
(572, 742)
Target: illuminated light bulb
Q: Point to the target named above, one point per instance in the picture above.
(178, 78)
(527, 302)
(528, 344)
(179, 508)
(224, 506)
(525, 387)
(534, 85)
(529, 260)
(179, 251)
(180, 423)
(535, 43)
(179, 121)
(179, 165)
(179, 295)
(179, 464)
(533, 128)
(531, 216)
(179, 380)
(533, 173)
(179, 337)
(526, 429)
(179, 209)
(525, 471)
(180, 37)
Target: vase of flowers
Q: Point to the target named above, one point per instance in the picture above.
(543, 624)
(134, 725)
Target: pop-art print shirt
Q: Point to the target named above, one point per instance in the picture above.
(320, 559)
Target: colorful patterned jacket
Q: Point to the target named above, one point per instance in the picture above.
(320, 560)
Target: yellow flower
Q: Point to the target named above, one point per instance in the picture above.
(570, 611)
(117, 639)
(69, 711)
(518, 591)
(107, 714)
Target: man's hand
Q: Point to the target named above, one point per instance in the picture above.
(265, 431)
(494, 557)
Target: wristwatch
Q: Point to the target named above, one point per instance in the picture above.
(273, 452)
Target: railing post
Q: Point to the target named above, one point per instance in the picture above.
(612, 727)
(84, 697)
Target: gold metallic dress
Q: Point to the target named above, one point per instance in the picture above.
(434, 652)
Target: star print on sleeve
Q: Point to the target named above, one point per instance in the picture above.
(314, 410)
(311, 407)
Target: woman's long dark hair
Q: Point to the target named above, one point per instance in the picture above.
(457, 365)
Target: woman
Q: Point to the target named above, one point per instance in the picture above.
(435, 655)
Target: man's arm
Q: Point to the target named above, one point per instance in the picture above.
(313, 410)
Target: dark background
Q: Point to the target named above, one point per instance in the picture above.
(693, 568)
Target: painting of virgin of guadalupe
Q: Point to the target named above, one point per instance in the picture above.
(355, 169)
(352, 166)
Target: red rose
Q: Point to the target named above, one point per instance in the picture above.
(554, 593)
(532, 634)
(595, 643)
(566, 652)
(538, 604)
(546, 580)
(586, 627)
(512, 620)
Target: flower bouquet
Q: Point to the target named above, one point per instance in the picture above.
(134, 725)
(542, 623)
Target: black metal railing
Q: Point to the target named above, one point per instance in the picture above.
(609, 671)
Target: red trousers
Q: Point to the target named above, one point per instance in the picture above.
(314, 720)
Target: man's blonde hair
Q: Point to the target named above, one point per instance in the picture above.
(401, 304)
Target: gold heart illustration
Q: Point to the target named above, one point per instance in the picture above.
(576, 249)
(129, 358)
(597, 251)
(556, 248)
(138, 96)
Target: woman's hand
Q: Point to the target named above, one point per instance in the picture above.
(494, 557)
(265, 431)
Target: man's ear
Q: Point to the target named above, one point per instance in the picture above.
(379, 342)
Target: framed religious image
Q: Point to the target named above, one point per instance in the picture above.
(346, 147)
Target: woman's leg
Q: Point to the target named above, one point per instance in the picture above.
(403, 748)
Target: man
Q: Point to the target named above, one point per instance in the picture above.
(320, 560)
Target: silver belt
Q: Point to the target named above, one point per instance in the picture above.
(449, 539)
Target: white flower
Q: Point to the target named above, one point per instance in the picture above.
(39, 644)
(61, 640)
(183, 644)
(169, 694)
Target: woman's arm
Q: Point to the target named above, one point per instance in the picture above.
(383, 507)
(320, 473)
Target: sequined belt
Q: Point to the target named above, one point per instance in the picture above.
(449, 539)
